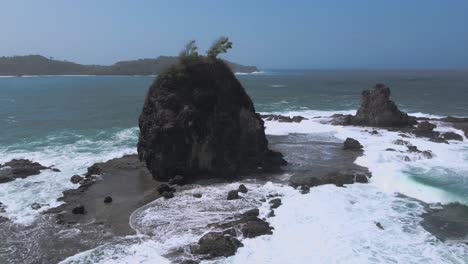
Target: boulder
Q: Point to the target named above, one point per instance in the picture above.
(242, 188)
(275, 203)
(197, 120)
(197, 195)
(452, 136)
(377, 110)
(252, 229)
(76, 179)
(217, 244)
(80, 209)
(233, 195)
(352, 144)
(108, 199)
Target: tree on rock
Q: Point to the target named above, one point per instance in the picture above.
(219, 46)
(190, 50)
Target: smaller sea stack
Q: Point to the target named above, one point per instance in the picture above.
(377, 110)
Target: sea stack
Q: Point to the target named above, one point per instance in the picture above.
(197, 120)
(377, 110)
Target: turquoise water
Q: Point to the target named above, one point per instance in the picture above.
(73, 122)
(35, 108)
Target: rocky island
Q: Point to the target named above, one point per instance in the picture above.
(40, 65)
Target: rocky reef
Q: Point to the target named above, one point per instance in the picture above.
(377, 110)
(20, 169)
(197, 120)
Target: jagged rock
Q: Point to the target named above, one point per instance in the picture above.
(108, 199)
(275, 203)
(256, 228)
(198, 120)
(377, 110)
(19, 168)
(80, 209)
(233, 195)
(452, 136)
(76, 179)
(352, 144)
(339, 178)
(242, 188)
(217, 244)
(95, 169)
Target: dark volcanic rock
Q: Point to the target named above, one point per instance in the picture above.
(379, 225)
(233, 195)
(352, 144)
(378, 110)
(242, 188)
(108, 199)
(198, 120)
(339, 178)
(256, 228)
(80, 209)
(426, 129)
(452, 136)
(448, 222)
(217, 244)
(275, 203)
(19, 168)
(76, 179)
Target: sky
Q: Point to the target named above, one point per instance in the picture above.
(273, 34)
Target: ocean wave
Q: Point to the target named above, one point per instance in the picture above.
(251, 73)
(73, 158)
(391, 171)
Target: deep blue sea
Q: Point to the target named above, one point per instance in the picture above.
(74, 121)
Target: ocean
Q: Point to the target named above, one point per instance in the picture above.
(74, 121)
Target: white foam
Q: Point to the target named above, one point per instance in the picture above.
(388, 168)
(338, 225)
(128, 251)
(71, 159)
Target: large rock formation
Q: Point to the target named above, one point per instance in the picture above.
(198, 120)
(378, 110)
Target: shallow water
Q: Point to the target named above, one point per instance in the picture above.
(73, 122)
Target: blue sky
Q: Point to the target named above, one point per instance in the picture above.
(269, 34)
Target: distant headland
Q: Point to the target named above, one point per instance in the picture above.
(40, 65)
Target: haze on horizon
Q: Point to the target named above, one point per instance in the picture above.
(269, 34)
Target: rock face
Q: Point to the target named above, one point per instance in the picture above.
(197, 120)
(377, 110)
